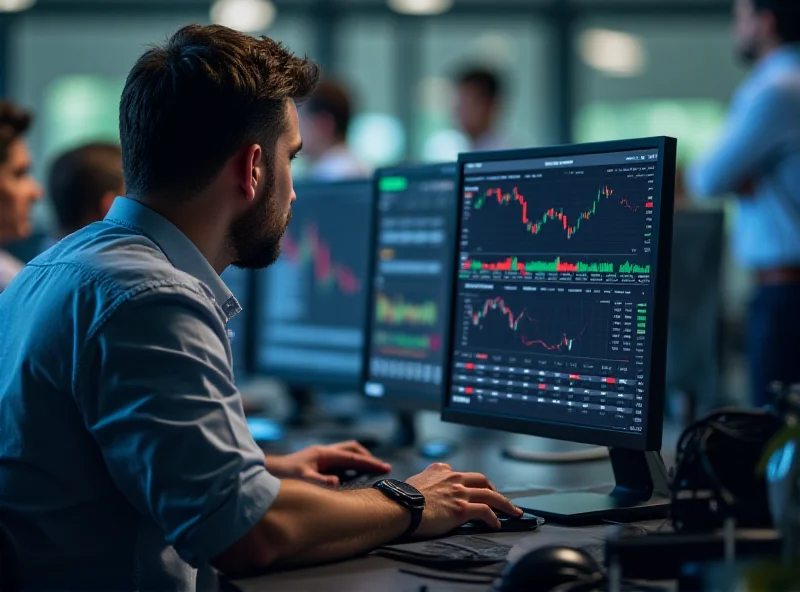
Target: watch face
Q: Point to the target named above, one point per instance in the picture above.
(407, 490)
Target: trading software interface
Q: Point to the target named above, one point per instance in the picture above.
(237, 281)
(313, 298)
(555, 288)
(411, 279)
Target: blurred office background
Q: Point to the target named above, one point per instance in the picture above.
(574, 70)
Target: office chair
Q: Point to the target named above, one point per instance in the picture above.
(9, 562)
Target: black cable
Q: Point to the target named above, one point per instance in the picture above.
(702, 465)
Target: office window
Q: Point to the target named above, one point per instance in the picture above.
(80, 108)
(695, 122)
(646, 75)
(366, 62)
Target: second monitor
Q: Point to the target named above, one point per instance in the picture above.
(409, 299)
(312, 300)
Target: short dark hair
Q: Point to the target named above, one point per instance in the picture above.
(14, 122)
(787, 17)
(189, 105)
(487, 82)
(332, 98)
(78, 180)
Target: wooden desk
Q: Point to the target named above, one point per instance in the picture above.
(369, 574)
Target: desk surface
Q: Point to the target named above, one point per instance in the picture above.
(482, 452)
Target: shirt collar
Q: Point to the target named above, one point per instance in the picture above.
(177, 247)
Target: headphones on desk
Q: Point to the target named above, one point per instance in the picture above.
(715, 474)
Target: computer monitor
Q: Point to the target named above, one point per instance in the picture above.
(239, 327)
(560, 299)
(694, 352)
(312, 301)
(409, 300)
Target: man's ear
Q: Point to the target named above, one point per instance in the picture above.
(251, 174)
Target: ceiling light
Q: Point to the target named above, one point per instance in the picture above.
(420, 7)
(248, 16)
(612, 52)
(15, 5)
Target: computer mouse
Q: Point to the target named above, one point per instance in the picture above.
(547, 568)
(524, 523)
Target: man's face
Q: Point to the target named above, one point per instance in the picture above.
(747, 30)
(474, 110)
(256, 235)
(18, 190)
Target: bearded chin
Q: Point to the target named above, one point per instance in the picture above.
(258, 255)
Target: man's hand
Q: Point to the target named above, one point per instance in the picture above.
(310, 464)
(451, 499)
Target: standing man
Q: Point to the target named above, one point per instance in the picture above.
(758, 160)
(125, 458)
(18, 189)
(324, 122)
(479, 103)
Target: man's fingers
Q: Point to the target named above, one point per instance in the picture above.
(493, 499)
(331, 458)
(483, 513)
(352, 446)
(477, 480)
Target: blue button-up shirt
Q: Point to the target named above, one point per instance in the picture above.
(761, 145)
(125, 457)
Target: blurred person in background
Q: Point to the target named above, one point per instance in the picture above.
(18, 189)
(479, 103)
(324, 122)
(82, 185)
(758, 159)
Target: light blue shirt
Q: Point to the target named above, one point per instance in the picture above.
(761, 145)
(125, 457)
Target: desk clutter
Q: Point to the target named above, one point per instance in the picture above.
(720, 529)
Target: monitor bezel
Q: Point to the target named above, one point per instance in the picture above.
(397, 398)
(308, 378)
(654, 420)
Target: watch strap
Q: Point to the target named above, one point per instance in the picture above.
(414, 510)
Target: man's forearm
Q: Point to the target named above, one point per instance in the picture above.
(354, 522)
(310, 524)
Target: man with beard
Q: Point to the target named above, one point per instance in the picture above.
(125, 458)
(758, 159)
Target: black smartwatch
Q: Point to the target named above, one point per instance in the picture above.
(407, 496)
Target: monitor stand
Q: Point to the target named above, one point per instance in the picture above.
(641, 493)
(302, 407)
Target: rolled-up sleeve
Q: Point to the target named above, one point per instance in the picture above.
(156, 392)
